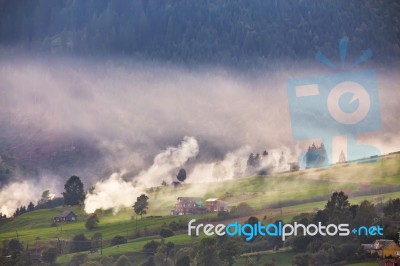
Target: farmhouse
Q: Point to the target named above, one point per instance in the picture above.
(214, 205)
(390, 262)
(383, 247)
(188, 205)
(66, 216)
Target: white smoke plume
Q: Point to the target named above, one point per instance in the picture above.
(129, 111)
(233, 165)
(15, 195)
(278, 160)
(115, 193)
(20, 193)
(168, 160)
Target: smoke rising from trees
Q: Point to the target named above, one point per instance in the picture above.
(99, 118)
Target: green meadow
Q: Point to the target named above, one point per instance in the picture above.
(279, 196)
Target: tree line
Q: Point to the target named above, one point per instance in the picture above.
(224, 250)
(231, 32)
(329, 250)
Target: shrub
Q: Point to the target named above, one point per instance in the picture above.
(80, 243)
(242, 209)
(92, 222)
(96, 240)
(173, 226)
(165, 232)
(346, 251)
(78, 259)
(118, 240)
(151, 247)
(106, 260)
(183, 261)
(122, 261)
(223, 214)
(50, 255)
(302, 259)
(12, 248)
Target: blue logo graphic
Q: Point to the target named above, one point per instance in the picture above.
(344, 103)
(368, 231)
(250, 231)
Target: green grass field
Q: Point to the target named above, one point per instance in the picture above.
(132, 247)
(36, 225)
(372, 263)
(283, 257)
(280, 196)
(305, 185)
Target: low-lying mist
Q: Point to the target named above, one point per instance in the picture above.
(141, 122)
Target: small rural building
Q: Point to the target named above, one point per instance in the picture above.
(390, 262)
(215, 205)
(66, 216)
(188, 205)
(383, 247)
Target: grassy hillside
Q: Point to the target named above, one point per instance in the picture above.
(37, 224)
(280, 196)
(286, 189)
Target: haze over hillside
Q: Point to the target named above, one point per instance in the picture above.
(92, 88)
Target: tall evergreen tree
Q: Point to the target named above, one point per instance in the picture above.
(74, 191)
(31, 207)
(338, 208)
(16, 213)
(141, 205)
(181, 175)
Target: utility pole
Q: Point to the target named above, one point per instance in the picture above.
(36, 245)
(59, 245)
(27, 251)
(101, 246)
(399, 238)
(17, 234)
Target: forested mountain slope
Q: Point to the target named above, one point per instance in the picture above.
(202, 31)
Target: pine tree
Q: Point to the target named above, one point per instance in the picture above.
(31, 207)
(181, 175)
(16, 213)
(74, 192)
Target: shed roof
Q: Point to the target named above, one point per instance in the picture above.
(64, 214)
(211, 199)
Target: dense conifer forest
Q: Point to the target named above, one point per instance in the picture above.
(193, 31)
